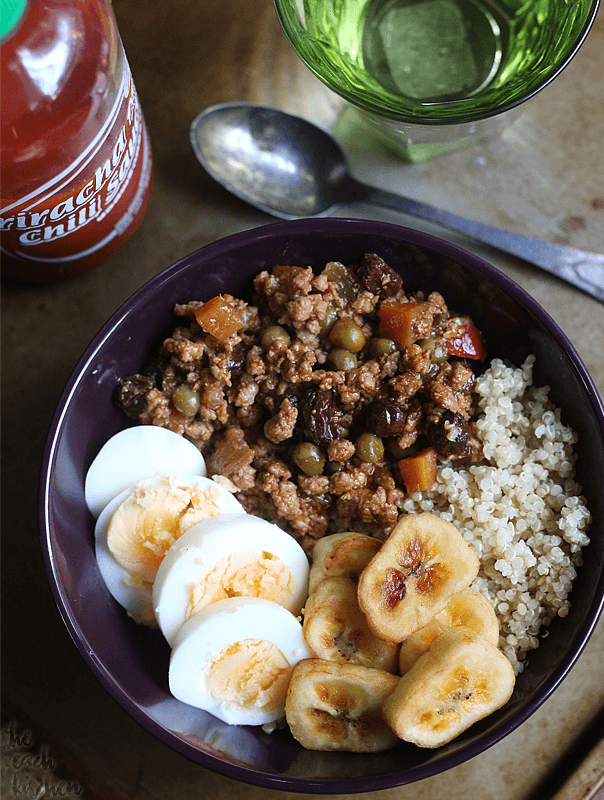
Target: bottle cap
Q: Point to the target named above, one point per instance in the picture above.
(11, 12)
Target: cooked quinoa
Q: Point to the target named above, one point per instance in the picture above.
(521, 510)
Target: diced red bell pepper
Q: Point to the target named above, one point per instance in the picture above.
(419, 471)
(219, 318)
(404, 323)
(467, 342)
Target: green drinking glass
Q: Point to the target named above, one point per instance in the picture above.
(433, 75)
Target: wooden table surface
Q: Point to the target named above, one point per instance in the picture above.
(544, 177)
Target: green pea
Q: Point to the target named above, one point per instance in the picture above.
(370, 448)
(309, 458)
(347, 334)
(435, 349)
(186, 400)
(329, 318)
(275, 333)
(382, 347)
(342, 359)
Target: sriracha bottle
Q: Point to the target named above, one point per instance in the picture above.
(75, 159)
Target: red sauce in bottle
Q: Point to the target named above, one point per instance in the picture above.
(75, 162)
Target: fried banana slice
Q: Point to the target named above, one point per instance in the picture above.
(339, 554)
(333, 706)
(422, 564)
(336, 629)
(461, 679)
(468, 608)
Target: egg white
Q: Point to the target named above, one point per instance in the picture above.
(221, 625)
(134, 595)
(136, 453)
(195, 554)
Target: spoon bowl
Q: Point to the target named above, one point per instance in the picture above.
(290, 168)
(278, 163)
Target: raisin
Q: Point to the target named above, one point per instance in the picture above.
(385, 417)
(274, 400)
(130, 394)
(155, 367)
(377, 277)
(450, 435)
(345, 280)
(237, 360)
(320, 416)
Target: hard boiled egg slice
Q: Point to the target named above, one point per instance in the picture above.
(235, 658)
(138, 526)
(228, 556)
(133, 594)
(135, 453)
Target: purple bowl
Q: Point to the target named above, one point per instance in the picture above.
(131, 661)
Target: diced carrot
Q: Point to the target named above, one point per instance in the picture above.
(467, 342)
(419, 471)
(219, 318)
(404, 323)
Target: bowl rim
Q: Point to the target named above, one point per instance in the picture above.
(46, 525)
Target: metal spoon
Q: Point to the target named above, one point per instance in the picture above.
(287, 167)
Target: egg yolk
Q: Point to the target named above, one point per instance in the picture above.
(245, 573)
(249, 674)
(150, 520)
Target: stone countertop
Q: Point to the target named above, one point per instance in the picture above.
(544, 177)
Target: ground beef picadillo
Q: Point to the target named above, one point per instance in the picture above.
(305, 403)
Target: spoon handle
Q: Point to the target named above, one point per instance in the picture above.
(578, 267)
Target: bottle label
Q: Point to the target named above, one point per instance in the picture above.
(92, 201)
